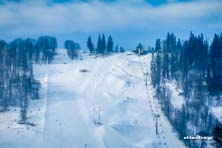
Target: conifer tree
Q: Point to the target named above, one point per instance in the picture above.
(103, 45)
(158, 45)
(116, 48)
(99, 45)
(90, 45)
(110, 45)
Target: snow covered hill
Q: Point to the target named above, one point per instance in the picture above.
(96, 102)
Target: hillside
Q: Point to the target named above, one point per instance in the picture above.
(94, 102)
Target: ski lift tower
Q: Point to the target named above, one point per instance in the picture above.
(97, 119)
(146, 75)
(157, 116)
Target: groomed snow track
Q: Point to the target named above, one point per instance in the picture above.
(107, 106)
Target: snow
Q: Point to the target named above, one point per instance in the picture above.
(177, 100)
(16, 135)
(112, 89)
(217, 112)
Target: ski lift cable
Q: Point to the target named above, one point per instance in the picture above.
(142, 69)
(158, 111)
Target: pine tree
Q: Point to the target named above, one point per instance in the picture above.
(217, 134)
(110, 45)
(90, 45)
(158, 45)
(216, 56)
(116, 48)
(103, 45)
(99, 45)
(215, 73)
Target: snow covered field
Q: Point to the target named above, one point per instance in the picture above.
(106, 106)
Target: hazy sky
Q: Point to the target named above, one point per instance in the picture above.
(128, 21)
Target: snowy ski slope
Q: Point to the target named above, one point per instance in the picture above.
(106, 107)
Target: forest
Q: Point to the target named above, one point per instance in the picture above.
(17, 82)
(195, 66)
(103, 47)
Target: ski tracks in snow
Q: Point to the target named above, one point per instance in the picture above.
(114, 86)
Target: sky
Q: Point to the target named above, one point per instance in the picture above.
(128, 21)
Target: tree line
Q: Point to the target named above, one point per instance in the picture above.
(196, 67)
(17, 82)
(103, 47)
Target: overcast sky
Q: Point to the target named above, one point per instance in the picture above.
(128, 21)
